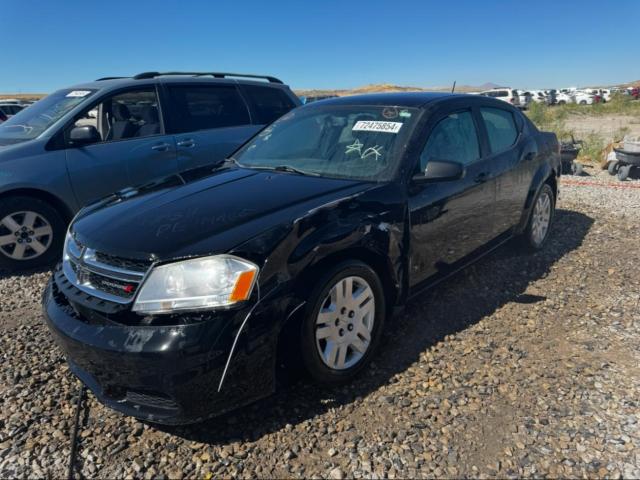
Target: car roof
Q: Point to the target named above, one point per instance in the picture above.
(109, 83)
(397, 99)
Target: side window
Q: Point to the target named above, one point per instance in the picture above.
(501, 128)
(203, 107)
(268, 103)
(453, 138)
(123, 116)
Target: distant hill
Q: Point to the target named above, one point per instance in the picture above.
(387, 87)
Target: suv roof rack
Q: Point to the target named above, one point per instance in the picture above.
(146, 75)
(108, 78)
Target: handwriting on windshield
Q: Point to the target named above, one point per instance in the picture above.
(357, 147)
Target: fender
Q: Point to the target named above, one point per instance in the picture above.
(544, 172)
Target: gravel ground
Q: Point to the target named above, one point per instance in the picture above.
(521, 366)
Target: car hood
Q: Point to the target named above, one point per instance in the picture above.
(184, 215)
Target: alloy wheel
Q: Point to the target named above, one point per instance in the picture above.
(541, 218)
(345, 322)
(25, 235)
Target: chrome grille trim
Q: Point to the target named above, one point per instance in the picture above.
(81, 268)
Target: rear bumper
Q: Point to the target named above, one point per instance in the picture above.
(172, 374)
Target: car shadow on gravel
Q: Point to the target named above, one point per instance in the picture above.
(462, 301)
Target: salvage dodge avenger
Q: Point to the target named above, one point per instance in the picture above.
(181, 299)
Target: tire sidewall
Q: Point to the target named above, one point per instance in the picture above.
(58, 225)
(312, 360)
(546, 189)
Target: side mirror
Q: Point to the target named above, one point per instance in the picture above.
(84, 135)
(441, 171)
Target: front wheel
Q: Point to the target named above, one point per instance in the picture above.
(613, 167)
(540, 219)
(31, 233)
(343, 323)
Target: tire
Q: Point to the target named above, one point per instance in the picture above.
(37, 226)
(583, 102)
(576, 169)
(613, 167)
(531, 238)
(344, 328)
(562, 102)
(623, 172)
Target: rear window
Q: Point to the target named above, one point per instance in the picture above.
(268, 103)
(501, 128)
(205, 107)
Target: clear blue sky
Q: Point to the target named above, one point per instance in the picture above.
(49, 44)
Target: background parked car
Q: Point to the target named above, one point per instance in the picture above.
(563, 98)
(10, 109)
(82, 143)
(524, 97)
(582, 97)
(505, 94)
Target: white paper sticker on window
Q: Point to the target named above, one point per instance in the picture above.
(375, 126)
(78, 93)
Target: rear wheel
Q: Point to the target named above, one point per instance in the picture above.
(540, 220)
(343, 323)
(613, 167)
(31, 233)
(623, 172)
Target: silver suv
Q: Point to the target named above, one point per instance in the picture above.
(82, 143)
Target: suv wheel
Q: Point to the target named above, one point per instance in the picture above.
(540, 219)
(342, 326)
(31, 233)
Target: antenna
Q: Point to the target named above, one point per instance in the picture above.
(454, 87)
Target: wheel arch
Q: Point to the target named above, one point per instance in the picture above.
(43, 195)
(288, 361)
(545, 175)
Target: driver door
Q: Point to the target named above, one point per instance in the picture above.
(133, 148)
(451, 218)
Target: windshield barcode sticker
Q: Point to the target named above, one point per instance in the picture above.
(375, 126)
(78, 93)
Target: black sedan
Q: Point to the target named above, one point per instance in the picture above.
(175, 301)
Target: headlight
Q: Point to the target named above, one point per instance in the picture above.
(200, 283)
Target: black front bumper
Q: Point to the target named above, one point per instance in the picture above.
(168, 374)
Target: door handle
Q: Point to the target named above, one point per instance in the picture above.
(482, 177)
(187, 143)
(161, 147)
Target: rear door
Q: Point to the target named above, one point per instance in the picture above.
(451, 219)
(208, 121)
(513, 152)
(133, 149)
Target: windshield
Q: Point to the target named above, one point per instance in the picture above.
(354, 142)
(32, 121)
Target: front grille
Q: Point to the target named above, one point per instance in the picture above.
(104, 276)
(124, 263)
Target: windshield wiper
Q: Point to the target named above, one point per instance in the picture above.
(277, 168)
(290, 169)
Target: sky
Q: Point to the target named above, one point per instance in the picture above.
(46, 45)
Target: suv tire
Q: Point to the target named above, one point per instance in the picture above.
(540, 219)
(341, 332)
(31, 233)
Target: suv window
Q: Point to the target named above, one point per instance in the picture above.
(501, 128)
(202, 107)
(131, 114)
(454, 138)
(268, 103)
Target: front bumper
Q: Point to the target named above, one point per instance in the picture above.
(168, 374)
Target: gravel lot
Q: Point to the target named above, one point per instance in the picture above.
(519, 366)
